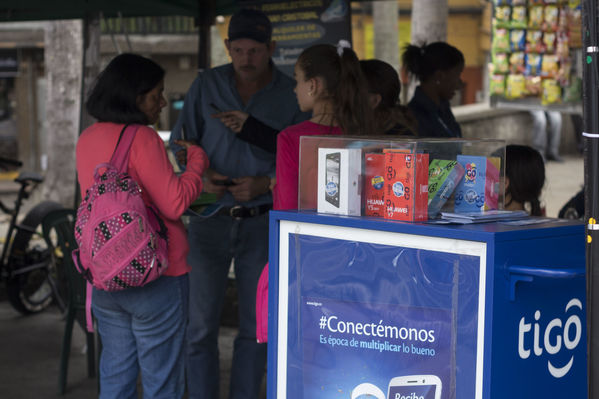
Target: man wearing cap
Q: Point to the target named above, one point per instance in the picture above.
(237, 226)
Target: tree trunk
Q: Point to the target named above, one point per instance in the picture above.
(91, 64)
(63, 58)
(385, 15)
(429, 24)
(429, 21)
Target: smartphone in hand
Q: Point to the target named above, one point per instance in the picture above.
(227, 182)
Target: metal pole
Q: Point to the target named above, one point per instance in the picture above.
(591, 167)
(205, 22)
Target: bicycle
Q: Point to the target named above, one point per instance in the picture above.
(28, 267)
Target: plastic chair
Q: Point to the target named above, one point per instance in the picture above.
(58, 228)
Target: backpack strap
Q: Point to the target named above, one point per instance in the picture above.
(120, 157)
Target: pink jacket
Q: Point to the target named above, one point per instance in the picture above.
(150, 167)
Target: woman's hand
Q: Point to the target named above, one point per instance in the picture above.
(181, 155)
(234, 120)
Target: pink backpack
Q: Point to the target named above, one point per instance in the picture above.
(122, 242)
(262, 307)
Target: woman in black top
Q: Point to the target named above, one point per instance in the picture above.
(438, 67)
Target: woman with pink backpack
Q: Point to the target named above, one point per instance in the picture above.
(142, 327)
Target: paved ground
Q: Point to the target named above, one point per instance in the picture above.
(30, 346)
(29, 358)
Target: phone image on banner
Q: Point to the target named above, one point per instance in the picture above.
(415, 387)
(332, 178)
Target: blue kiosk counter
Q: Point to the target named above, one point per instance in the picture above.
(369, 308)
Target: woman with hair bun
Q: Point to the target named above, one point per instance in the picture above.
(438, 67)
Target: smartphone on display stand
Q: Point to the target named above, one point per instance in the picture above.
(332, 178)
(415, 386)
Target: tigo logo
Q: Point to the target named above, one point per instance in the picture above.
(556, 332)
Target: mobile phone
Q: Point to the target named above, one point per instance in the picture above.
(415, 386)
(333, 161)
(183, 133)
(227, 182)
(215, 107)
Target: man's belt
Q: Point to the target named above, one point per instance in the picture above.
(242, 212)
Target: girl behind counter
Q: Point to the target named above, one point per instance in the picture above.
(330, 85)
(524, 179)
(438, 67)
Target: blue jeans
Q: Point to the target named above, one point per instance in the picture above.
(143, 329)
(213, 242)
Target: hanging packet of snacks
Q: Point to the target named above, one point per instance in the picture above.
(535, 17)
(501, 40)
(534, 43)
(533, 85)
(517, 62)
(518, 40)
(518, 17)
(552, 92)
(562, 48)
(533, 64)
(502, 16)
(515, 86)
(501, 63)
(573, 92)
(549, 66)
(575, 27)
(549, 42)
(497, 85)
(550, 19)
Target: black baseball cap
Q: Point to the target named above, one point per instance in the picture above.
(248, 23)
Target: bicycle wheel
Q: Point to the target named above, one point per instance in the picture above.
(32, 291)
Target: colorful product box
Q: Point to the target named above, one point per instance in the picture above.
(479, 188)
(443, 177)
(406, 186)
(374, 181)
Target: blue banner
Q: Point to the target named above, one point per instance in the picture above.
(380, 320)
(348, 343)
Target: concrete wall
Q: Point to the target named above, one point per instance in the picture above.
(513, 126)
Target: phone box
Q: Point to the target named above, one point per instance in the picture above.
(443, 177)
(406, 186)
(374, 170)
(339, 174)
(479, 188)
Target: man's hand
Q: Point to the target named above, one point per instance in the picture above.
(249, 187)
(234, 120)
(211, 180)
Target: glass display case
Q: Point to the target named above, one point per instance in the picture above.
(400, 178)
